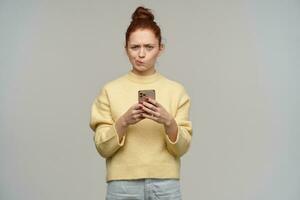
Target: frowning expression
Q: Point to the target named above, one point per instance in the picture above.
(143, 50)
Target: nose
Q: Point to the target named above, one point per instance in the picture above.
(142, 53)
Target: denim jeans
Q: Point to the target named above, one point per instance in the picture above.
(144, 189)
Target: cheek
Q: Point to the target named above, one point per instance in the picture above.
(134, 54)
(153, 56)
(131, 55)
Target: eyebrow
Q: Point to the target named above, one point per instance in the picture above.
(139, 44)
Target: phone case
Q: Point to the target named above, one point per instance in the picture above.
(142, 94)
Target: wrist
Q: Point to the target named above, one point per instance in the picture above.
(169, 122)
(122, 122)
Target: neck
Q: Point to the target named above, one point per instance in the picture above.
(149, 78)
(144, 73)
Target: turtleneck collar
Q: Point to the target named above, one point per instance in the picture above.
(143, 78)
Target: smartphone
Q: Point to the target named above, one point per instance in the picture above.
(142, 94)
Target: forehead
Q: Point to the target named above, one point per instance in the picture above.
(142, 36)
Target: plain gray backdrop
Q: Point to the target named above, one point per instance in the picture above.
(239, 61)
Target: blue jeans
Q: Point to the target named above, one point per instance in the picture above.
(144, 189)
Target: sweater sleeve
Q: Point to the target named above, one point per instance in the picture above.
(184, 134)
(106, 137)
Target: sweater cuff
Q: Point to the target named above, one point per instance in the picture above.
(120, 143)
(177, 137)
(179, 147)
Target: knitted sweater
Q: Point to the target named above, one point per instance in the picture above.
(145, 151)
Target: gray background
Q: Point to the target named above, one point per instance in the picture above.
(239, 61)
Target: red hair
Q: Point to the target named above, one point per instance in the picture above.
(142, 18)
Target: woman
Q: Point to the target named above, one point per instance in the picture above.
(142, 141)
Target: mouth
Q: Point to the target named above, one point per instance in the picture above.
(139, 62)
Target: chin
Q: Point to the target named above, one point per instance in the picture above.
(141, 68)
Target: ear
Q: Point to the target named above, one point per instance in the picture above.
(161, 49)
(126, 50)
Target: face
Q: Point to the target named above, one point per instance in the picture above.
(143, 50)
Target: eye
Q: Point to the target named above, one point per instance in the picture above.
(134, 47)
(149, 47)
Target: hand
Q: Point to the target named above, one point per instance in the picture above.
(155, 111)
(133, 115)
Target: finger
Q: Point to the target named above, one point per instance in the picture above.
(149, 116)
(138, 116)
(141, 117)
(138, 111)
(137, 106)
(152, 101)
(149, 105)
(148, 111)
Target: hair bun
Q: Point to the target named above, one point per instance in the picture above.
(142, 13)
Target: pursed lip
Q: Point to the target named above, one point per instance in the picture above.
(139, 62)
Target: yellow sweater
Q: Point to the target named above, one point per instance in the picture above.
(145, 151)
